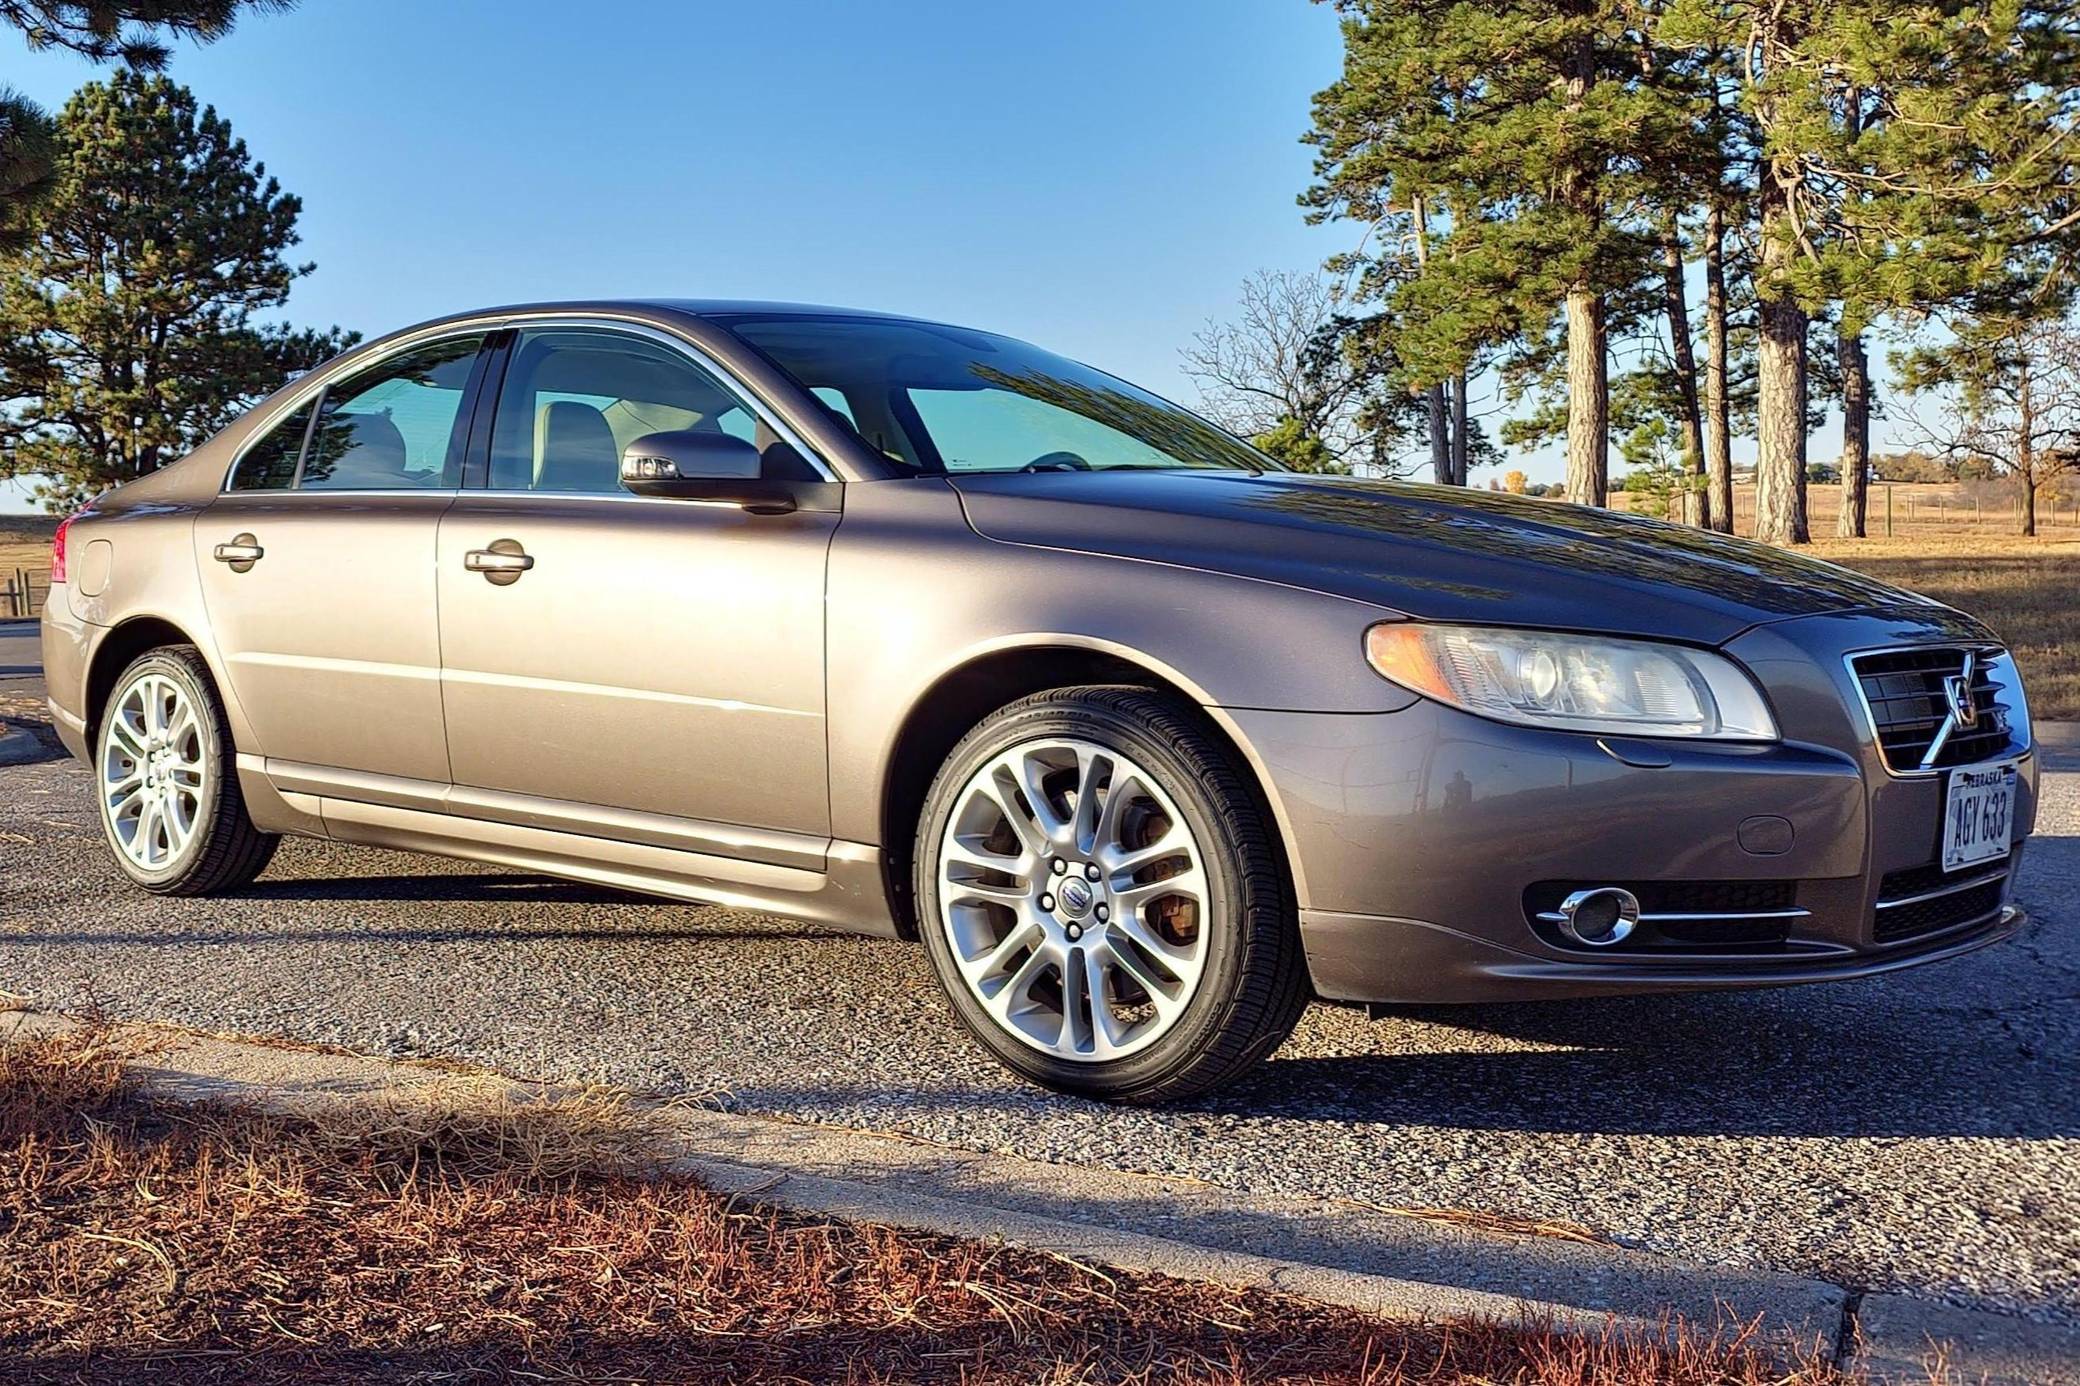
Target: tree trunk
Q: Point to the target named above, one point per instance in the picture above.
(1459, 444)
(1588, 364)
(1780, 403)
(1440, 435)
(1697, 502)
(1433, 398)
(1588, 400)
(2026, 451)
(1718, 431)
(1856, 434)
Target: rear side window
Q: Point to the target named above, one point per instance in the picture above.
(270, 464)
(396, 426)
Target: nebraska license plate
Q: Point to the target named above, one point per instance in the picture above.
(1975, 823)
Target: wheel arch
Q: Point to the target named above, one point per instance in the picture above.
(113, 653)
(956, 701)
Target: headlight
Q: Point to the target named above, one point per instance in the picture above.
(1574, 682)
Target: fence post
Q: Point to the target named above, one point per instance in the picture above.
(1888, 512)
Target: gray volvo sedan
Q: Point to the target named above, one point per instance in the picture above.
(920, 631)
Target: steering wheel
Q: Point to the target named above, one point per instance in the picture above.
(1057, 462)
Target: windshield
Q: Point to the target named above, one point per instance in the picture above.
(945, 399)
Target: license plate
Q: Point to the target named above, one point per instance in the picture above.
(1975, 823)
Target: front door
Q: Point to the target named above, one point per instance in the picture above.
(317, 568)
(628, 658)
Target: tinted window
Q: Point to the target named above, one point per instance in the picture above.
(395, 426)
(270, 464)
(945, 399)
(574, 398)
(1002, 431)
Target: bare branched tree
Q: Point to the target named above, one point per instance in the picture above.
(1282, 370)
(2007, 396)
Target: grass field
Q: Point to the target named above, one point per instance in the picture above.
(2027, 589)
(25, 542)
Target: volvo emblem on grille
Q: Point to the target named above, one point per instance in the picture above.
(1964, 706)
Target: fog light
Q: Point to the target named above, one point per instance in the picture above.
(1599, 918)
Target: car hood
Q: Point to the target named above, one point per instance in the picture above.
(1435, 553)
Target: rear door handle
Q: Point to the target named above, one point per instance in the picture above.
(241, 553)
(502, 563)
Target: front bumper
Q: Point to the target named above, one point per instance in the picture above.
(1424, 844)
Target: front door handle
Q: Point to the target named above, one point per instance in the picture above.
(501, 564)
(241, 553)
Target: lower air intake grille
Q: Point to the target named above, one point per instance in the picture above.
(1924, 900)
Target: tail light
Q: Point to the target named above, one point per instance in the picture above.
(58, 550)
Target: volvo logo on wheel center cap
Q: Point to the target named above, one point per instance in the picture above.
(1076, 897)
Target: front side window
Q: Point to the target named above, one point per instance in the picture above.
(396, 426)
(575, 397)
(945, 399)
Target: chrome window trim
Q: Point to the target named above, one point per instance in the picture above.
(318, 380)
(2000, 665)
(744, 394)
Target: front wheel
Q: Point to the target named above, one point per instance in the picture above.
(1102, 900)
(167, 781)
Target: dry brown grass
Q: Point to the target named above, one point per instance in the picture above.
(429, 1239)
(25, 542)
(2026, 589)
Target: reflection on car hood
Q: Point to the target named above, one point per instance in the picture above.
(1432, 552)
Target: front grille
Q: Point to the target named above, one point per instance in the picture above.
(1904, 690)
(1925, 899)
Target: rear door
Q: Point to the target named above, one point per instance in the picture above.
(317, 565)
(611, 660)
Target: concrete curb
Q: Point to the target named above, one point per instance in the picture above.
(1369, 1259)
(2064, 735)
(1897, 1335)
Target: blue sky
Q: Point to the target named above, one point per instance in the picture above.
(1097, 178)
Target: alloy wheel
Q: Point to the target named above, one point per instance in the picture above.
(154, 771)
(1075, 899)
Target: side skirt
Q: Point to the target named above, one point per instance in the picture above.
(847, 893)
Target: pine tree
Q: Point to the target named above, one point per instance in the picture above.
(101, 30)
(1904, 155)
(1517, 135)
(28, 165)
(132, 31)
(128, 329)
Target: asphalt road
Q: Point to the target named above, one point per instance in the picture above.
(1917, 1133)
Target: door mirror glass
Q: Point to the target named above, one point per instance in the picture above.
(688, 454)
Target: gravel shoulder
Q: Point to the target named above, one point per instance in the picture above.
(1918, 1133)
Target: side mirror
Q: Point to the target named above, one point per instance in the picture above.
(701, 465)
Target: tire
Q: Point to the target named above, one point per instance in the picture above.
(193, 781)
(1197, 985)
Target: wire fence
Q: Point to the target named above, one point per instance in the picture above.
(23, 592)
(1907, 511)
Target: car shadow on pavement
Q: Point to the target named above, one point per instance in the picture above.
(440, 888)
(245, 939)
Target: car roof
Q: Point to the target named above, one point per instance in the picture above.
(689, 307)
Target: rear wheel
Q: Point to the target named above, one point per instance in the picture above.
(167, 784)
(1102, 900)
